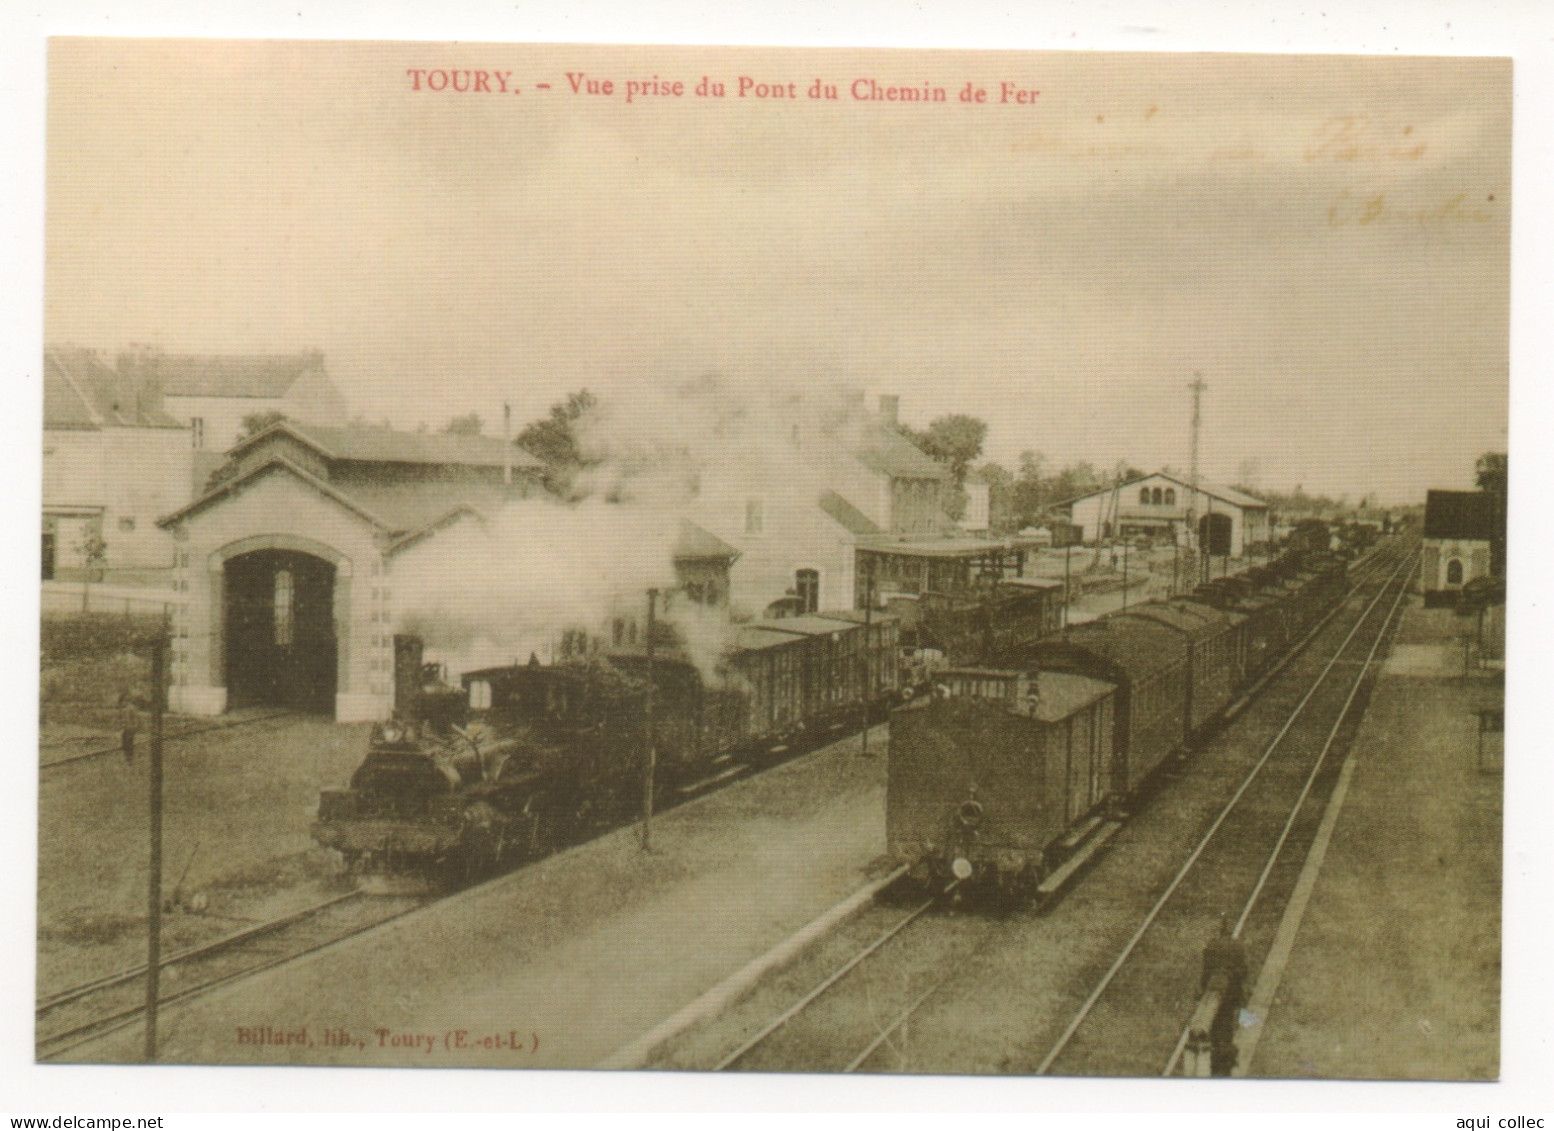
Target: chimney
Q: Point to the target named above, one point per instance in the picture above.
(890, 409)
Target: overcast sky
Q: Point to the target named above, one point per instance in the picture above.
(1325, 239)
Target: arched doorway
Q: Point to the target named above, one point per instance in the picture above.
(280, 637)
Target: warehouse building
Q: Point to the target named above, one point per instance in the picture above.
(1159, 505)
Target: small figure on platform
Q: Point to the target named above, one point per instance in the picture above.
(129, 723)
(1224, 969)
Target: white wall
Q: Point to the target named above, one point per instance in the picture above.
(136, 475)
(223, 416)
(247, 520)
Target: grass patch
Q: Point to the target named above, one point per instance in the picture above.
(94, 930)
(85, 635)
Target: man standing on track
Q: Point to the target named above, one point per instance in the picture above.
(1224, 969)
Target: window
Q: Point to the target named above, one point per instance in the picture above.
(1143, 496)
(1170, 496)
(755, 520)
(197, 431)
(1157, 497)
(1454, 572)
(283, 607)
(807, 588)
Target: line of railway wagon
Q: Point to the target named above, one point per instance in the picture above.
(998, 773)
(526, 758)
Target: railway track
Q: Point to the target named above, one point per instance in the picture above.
(860, 1016)
(69, 1018)
(1133, 1020)
(177, 736)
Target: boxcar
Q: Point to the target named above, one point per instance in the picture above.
(878, 674)
(1148, 664)
(993, 768)
(967, 627)
(1212, 639)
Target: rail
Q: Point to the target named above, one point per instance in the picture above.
(57, 1044)
(1289, 823)
(836, 976)
(1082, 1014)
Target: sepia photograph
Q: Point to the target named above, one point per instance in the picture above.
(773, 560)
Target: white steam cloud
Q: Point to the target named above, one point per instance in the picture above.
(496, 592)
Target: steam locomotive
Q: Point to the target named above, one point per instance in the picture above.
(524, 759)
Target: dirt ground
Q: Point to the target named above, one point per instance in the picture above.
(579, 953)
(238, 803)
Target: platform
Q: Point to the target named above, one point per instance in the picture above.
(1394, 971)
(561, 963)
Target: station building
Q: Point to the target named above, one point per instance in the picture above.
(1460, 531)
(1160, 504)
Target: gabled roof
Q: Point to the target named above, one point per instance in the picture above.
(847, 516)
(462, 510)
(277, 463)
(413, 507)
(386, 445)
(65, 403)
(1462, 514)
(889, 452)
(405, 513)
(1205, 487)
(694, 542)
(80, 390)
(264, 376)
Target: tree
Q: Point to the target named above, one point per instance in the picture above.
(1492, 473)
(553, 439)
(93, 548)
(256, 422)
(469, 424)
(956, 440)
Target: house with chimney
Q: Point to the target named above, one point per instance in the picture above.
(837, 518)
(211, 394)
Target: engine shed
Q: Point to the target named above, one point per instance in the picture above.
(286, 565)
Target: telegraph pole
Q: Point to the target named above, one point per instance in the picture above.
(868, 643)
(1124, 573)
(1068, 553)
(652, 746)
(154, 893)
(1198, 386)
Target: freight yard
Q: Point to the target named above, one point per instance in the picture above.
(537, 968)
(1046, 620)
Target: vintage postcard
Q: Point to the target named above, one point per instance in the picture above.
(773, 560)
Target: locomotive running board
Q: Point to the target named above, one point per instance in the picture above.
(1055, 883)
